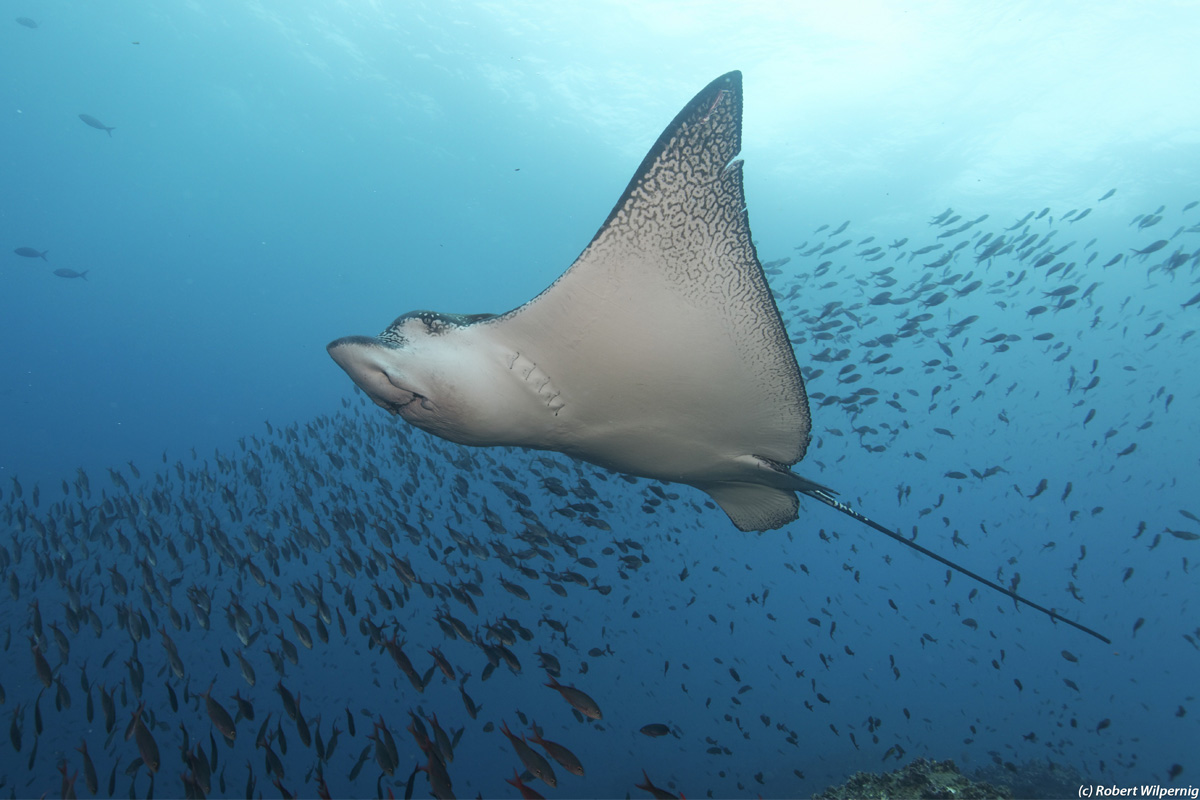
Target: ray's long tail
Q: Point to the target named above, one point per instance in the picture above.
(825, 495)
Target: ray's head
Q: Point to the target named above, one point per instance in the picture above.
(389, 367)
(414, 369)
(374, 365)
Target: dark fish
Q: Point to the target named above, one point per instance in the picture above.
(29, 252)
(569, 761)
(1151, 248)
(70, 273)
(146, 745)
(655, 791)
(655, 729)
(89, 768)
(27, 22)
(527, 792)
(533, 761)
(41, 665)
(14, 728)
(289, 700)
(358, 765)
(580, 701)
(385, 752)
(220, 718)
(88, 119)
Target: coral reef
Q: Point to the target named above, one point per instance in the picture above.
(1033, 778)
(928, 780)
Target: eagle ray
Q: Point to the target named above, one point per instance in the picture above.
(660, 352)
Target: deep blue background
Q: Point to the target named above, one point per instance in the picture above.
(282, 174)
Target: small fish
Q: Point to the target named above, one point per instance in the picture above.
(27, 22)
(527, 792)
(70, 273)
(533, 761)
(29, 252)
(1151, 248)
(88, 119)
(569, 761)
(41, 665)
(145, 740)
(579, 701)
(221, 719)
(89, 768)
(655, 791)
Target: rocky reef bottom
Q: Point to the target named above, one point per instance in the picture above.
(937, 780)
(1040, 779)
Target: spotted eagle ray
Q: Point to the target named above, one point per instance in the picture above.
(660, 352)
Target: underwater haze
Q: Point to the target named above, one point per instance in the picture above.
(227, 573)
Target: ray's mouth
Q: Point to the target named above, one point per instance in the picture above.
(386, 394)
(394, 407)
(364, 360)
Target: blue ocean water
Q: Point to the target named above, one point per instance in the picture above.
(282, 174)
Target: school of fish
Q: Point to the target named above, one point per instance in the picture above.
(346, 606)
(216, 596)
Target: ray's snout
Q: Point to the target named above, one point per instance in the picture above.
(365, 360)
